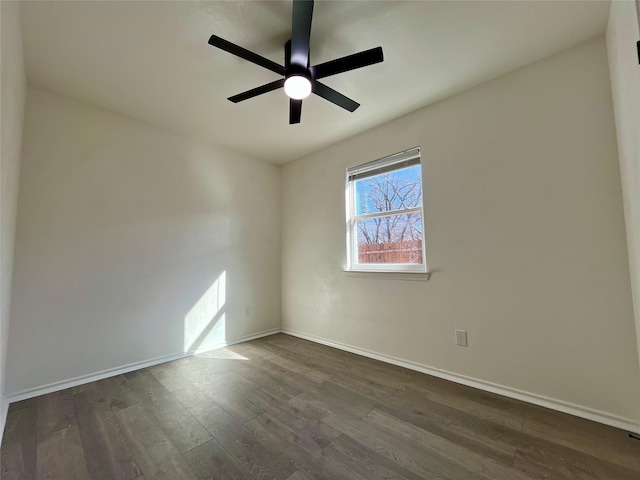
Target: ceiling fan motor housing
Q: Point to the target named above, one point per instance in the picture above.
(297, 71)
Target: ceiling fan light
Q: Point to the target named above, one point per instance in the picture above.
(297, 87)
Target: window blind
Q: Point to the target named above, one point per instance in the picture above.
(396, 161)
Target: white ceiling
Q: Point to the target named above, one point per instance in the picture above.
(151, 60)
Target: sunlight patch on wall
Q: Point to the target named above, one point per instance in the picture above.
(204, 325)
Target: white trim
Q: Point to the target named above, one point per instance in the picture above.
(3, 416)
(541, 400)
(389, 267)
(254, 336)
(387, 213)
(382, 275)
(111, 372)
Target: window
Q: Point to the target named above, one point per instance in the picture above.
(384, 215)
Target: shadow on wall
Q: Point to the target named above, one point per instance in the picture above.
(205, 324)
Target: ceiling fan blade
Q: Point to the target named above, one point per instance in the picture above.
(295, 111)
(334, 97)
(301, 32)
(350, 62)
(246, 54)
(254, 92)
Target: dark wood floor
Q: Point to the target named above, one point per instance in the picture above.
(284, 408)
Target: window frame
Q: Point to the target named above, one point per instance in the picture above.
(384, 165)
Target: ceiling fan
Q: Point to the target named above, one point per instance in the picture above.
(299, 79)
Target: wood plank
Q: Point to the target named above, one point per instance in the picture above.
(113, 392)
(405, 452)
(146, 386)
(477, 463)
(363, 386)
(600, 441)
(335, 467)
(211, 461)
(193, 400)
(185, 366)
(487, 405)
(338, 399)
(285, 439)
(152, 449)
(546, 461)
(55, 412)
(233, 402)
(257, 458)
(297, 375)
(306, 454)
(275, 389)
(292, 363)
(300, 475)
(197, 377)
(390, 376)
(18, 461)
(346, 359)
(60, 456)
(301, 422)
(170, 379)
(107, 452)
(19, 443)
(219, 367)
(492, 439)
(180, 426)
(323, 358)
(369, 463)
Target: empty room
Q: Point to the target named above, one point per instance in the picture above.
(339, 240)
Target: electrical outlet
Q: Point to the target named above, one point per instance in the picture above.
(461, 338)
(247, 310)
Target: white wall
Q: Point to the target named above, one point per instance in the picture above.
(525, 234)
(122, 228)
(13, 92)
(622, 35)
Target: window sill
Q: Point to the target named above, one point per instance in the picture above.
(386, 275)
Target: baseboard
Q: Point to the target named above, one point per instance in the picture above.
(246, 338)
(3, 416)
(541, 400)
(253, 336)
(111, 372)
